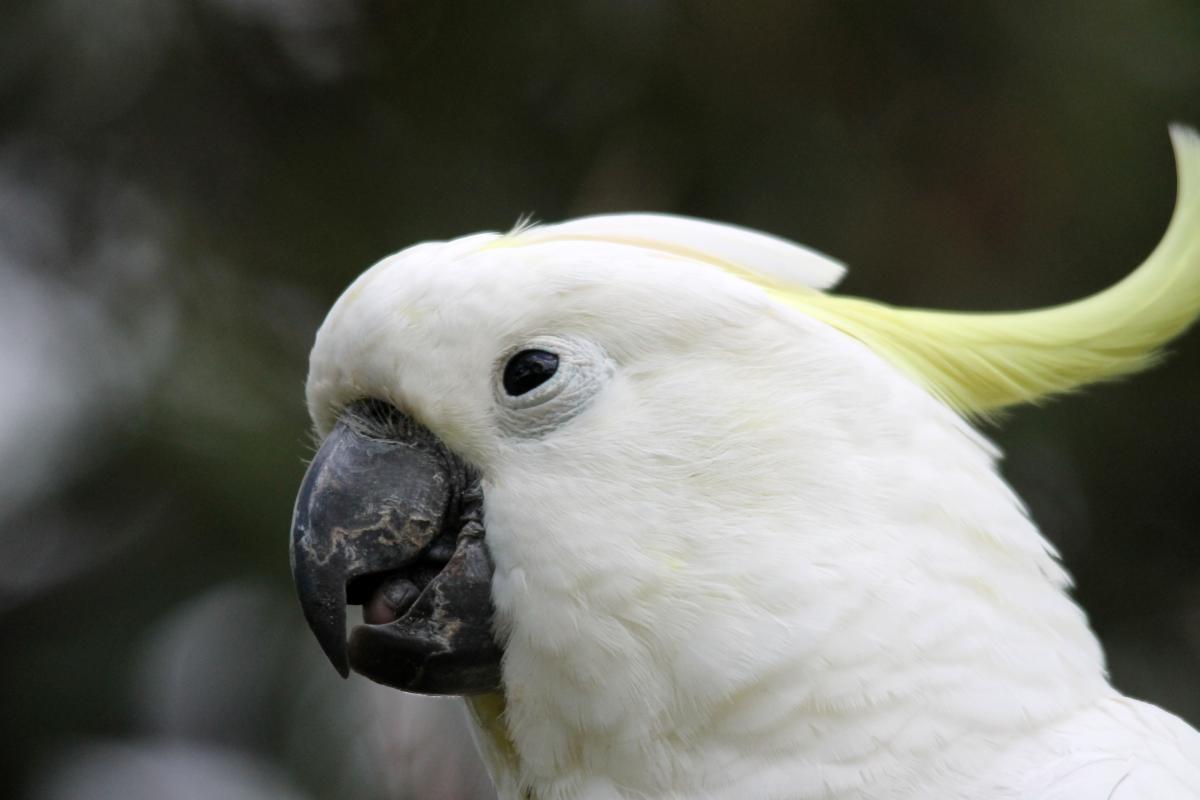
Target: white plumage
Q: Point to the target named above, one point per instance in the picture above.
(738, 553)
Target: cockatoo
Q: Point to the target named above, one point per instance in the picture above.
(678, 522)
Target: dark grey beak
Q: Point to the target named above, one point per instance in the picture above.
(389, 519)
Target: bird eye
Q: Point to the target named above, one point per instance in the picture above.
(528, 370)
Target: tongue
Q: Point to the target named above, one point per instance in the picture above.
(389, 602)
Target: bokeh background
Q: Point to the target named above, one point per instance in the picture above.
(186, 185)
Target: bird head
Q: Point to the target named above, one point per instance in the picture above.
(628, 466)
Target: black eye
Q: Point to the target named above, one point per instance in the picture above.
(528, 370)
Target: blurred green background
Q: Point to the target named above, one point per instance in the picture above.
(186, 185)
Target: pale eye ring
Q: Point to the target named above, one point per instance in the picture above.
(546, 380)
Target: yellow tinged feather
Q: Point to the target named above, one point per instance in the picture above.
(979, 363)
(487, 710)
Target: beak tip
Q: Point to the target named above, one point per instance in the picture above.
(333, 644)
(337, 657)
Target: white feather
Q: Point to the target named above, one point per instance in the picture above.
(777, 261)
(754, 560)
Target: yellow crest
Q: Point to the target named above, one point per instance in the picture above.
(980, 362)
(977, 363)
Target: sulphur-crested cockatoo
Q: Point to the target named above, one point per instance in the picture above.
(679, 523)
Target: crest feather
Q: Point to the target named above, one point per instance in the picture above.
(979, 363)
(759, 257)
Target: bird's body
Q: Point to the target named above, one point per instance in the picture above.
(1115, 748)
(738, 553)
